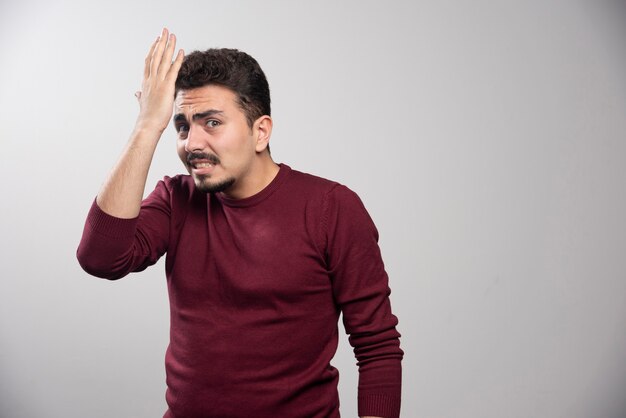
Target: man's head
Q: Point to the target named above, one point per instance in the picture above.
(222, 117)
(232, 69)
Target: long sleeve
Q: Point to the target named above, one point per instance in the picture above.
(360, 287)
(112, 247)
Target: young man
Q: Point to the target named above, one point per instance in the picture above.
(261, 259)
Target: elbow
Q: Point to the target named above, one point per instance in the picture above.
(97, 267)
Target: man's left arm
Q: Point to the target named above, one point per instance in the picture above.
(360, 286)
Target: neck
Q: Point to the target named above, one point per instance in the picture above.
(256, 180)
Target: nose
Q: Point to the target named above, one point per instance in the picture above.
(196, 140)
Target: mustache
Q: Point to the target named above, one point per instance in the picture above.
(212, 158)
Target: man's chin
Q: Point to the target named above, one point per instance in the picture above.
(204, 184)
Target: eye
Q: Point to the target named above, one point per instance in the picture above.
(182, 130)
(212, 123)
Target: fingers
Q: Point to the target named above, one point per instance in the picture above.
(159, 61)
(166, 59)
(162, 55)
(148, 61)
(159, 66)
(175, 66)
(158, 52)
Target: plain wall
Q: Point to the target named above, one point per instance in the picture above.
(486, 138)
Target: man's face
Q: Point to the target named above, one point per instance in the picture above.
(215, 142)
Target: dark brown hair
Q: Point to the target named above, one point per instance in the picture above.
(230, 68)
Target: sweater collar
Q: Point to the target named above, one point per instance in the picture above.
(255, 199)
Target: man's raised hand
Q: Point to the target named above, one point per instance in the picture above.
(156, 98)
(122, 191)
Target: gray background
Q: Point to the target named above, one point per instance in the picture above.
(486, 138)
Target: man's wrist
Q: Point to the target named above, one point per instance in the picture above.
(144, 129)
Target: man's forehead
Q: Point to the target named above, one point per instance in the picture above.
(197, 98)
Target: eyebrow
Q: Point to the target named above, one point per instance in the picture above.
(180, 117)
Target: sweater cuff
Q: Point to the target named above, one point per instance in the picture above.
(379, 406)
(110, 226)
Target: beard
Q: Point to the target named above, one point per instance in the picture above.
(204, 184)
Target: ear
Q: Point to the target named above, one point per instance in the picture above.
(262, 130)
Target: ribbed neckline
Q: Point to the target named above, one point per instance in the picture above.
(276, 182)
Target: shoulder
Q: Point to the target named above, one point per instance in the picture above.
(310, 181)
(330, 197)
(329, 189)
(175, 190)
(178, 183)
(319, 188)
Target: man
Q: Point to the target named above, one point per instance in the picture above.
(261, 259)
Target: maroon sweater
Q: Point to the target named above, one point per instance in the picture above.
(256, 286)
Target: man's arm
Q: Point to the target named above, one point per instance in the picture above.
(360, 288)
(122, 192)
(116, 239)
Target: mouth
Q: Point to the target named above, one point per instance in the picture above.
(202, 163)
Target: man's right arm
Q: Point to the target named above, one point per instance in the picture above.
(116, 239)
(122, 192)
